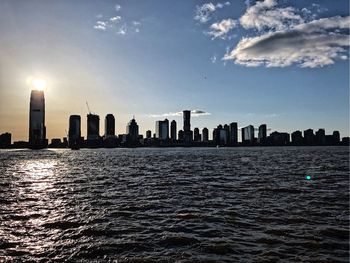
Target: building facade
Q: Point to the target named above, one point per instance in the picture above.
(37, 128)
(262, 134)
(233, 133)
(74, 132)
(132, 130)
(109, 126)
(173, 130)
(205, 134)
(187, 126)
(162, 130)
(93, 127)
(248, 134)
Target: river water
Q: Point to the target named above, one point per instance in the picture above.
(278, 204)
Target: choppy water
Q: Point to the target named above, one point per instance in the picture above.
(175, 205)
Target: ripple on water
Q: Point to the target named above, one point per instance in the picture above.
(175, 205)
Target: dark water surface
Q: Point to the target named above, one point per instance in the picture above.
(175, 205)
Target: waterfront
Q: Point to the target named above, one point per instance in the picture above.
(184, 204)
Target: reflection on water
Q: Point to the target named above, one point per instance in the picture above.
(242, 204)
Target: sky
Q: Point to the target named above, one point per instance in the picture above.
(283, 63)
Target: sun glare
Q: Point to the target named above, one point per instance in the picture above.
(39, 84)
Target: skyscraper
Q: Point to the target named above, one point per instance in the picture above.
(336, 137)
(309, 136)
(233, 133)
(320, 137)
(173, 130)
(196, 135)
(262, 134)
(148, 134)
(248, 134)
(37, 129)
(187, 126)
(109, 126)
(162, 129)
(93, 127)
(132, 130)
(205, 135)
(74, 132)
(227, 133)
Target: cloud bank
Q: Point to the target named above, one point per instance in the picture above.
(194, 113)
(281, 36)
(314, 44)
(265, 15)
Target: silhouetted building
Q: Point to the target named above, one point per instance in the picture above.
(336, 137)
(187, 126)
(56, 143)
(278, 138)
(5, 140)
(248, 134)
(132, 130)
(74, 132)
(196, 135)
(297, 138)
(220, 136)
(345, 141)
(109, 126)
(227, 133)
(262, 134)
(320, 137)
(148, 134)
(309, 137)
(181, 135)
(205, 135)
(233, 133)
(162, 129)
(93, 127)
(173, 130)
(37, 129)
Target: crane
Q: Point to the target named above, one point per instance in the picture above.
(87, 105)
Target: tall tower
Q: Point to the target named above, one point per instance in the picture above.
(162, 129)
(74, 132)
(173, 130)
(132, 130)
(187, 126)
(93, 127)
(37, 129)
(109, 126)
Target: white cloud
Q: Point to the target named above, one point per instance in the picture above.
(194, 113)
(115, 18)
(117, 7)
(101, 25)
(220, 29)
(122, 30)
(265, 15)
(314, 44)
(213, 59)
(203, 13)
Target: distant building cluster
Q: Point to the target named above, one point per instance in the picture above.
(166, 135)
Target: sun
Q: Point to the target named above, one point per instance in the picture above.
(39, 84)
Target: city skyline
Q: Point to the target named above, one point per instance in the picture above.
(136, 60)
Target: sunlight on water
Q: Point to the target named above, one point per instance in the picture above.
(175, 205)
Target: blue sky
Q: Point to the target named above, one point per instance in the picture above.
(283, 63)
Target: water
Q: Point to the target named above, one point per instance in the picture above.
(175, 205)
